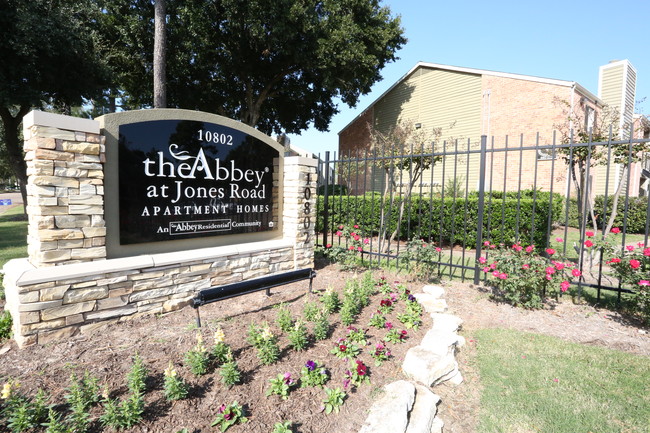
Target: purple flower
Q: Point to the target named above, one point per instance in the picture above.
(411, 298)
(287, 379)
(310, 365)
(222, 408)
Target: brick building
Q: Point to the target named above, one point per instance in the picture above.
(510, 109)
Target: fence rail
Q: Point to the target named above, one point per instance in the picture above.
(461, 194)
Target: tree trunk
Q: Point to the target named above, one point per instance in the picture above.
(159, 56)
(14, 149)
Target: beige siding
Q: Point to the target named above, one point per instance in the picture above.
(438, 99)
(612, 86)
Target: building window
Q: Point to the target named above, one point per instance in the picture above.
(590, 119)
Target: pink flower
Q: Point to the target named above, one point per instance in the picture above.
(486, 243)
(496, 273)
(615, 230)
(503, 276)
(388, 325)
(366, 241)
(635, 264)
(530, 248)
(525, 266)
(564, 286)
(550, 270)
(588, 243)
(646, 252)
(328, 246)
(339, 233)
(576, 272)
(517, 247)
(353, 234)
(486, 269)
(357, 237)
(492, 246)
(559, 240)
(550, 251)
(614, 260)
(482, 260)
(438, 249)
(356, 226)
(351, 248)
(559, 266)
(589, 234)
(359, 249)
(644, 283)
(341, 227)
(549, 277)
(630, 247)
(493, 265)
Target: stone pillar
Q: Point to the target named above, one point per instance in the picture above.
(299, 207)
(65, 189)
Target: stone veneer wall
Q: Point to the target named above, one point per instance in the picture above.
(66, 228)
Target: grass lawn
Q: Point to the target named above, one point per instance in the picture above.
(535, 383)
(13, 236)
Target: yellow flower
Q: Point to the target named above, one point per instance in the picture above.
(6, 391)
(170, 371)
(199, 343)
(266, 333)
(219, 336)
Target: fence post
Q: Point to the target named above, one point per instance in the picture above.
(326, 197)
(481, 205)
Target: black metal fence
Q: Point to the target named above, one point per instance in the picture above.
(458, 195)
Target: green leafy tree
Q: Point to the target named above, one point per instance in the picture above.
(48, 57)
(278, 65)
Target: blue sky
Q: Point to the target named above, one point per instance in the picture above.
(566, 40)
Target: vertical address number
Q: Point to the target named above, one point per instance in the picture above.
(306, 222)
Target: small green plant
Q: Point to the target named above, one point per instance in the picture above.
(383, 286)
(55, 423)
(23, 413)
(136, 378)
(310, 311)
(5, 325)
(322, 326)
(386, 305)
(377, 320)
(357, 374)
(174, 387)
(283, 318)
(356, 335)
(394, 335)
(228, 416)
(122, 415)
(410, 320)
(283, 427)
(82, 395)
(230, 374)
(331, 301)
(312, 374)
(265, 342)
(198, 357)
(281, 385)
(345, 350)
(220, 350)
(298, 336)
(334, 400)
(380, 354)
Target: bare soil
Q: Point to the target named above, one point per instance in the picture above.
(107, 353)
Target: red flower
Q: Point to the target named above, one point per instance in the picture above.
(614, 260)
(564, 286)
(635, 264)
(530, 248)
(550, 270)
(646, 252)
(630, 247)
(589, 234)
(361, 368)
(356, 226)
(615, 230)
(550, 251)
(576, 272)
(588, 243)
(525, 266)
(343, 347)
(559, 266)
(385, 303)
(438, 249)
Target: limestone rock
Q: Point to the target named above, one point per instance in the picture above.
(397, 401)
(424, 410)
(435, 291)
(431, 303)
(425, 366)
(447, 322)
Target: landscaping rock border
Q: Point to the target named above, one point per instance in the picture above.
(411, 404)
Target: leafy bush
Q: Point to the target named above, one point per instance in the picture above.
(451, 220)
(634, 222)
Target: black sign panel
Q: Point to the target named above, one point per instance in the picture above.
(182, 179)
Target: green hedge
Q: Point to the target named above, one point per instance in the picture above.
(449, 220)
(636, 214)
